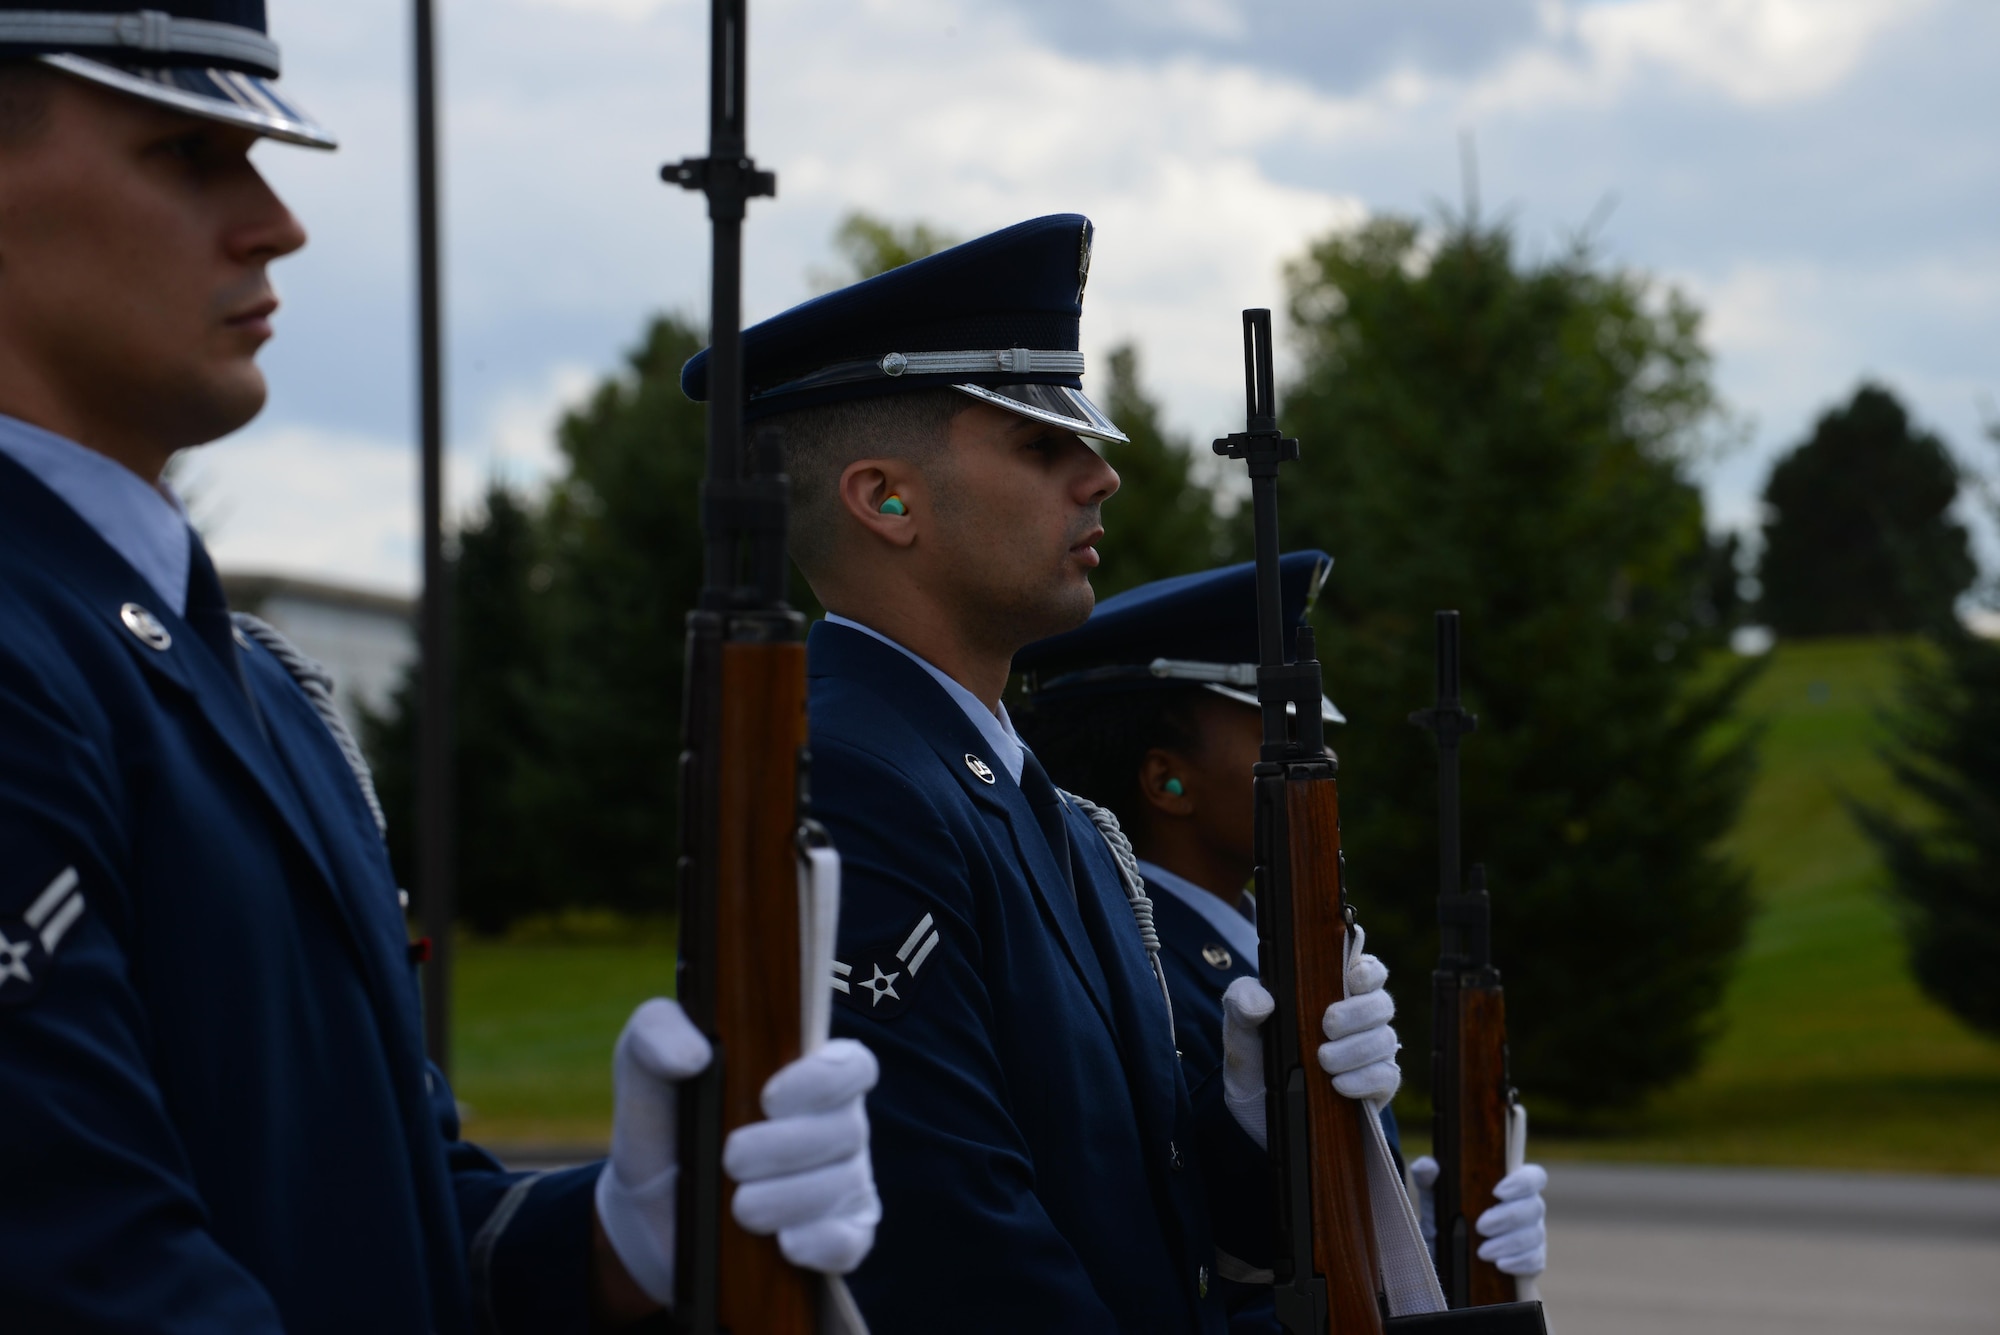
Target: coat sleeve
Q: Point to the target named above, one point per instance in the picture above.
(101, 1227)
(963, 1239)
(528, 1236)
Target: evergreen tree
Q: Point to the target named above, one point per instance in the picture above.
(502, 750)
(868, 245)
(1507, 438)
(1859, 538)
(623, 534)
(1944, 867)
(1162, 521)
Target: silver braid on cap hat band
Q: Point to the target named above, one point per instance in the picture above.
(970, 361)
(1135, 888)
(147, 31)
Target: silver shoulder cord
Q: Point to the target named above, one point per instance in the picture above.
(317, 683)
(1135, 888)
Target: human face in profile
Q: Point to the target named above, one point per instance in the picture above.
(134, 293)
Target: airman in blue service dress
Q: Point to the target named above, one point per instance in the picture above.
(216, 1113)
(1193, 632)
(215, 1109)
(1041, 1164)
(1102, 696)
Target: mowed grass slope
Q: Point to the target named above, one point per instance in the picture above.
(1827, 1055)
(534, 1028)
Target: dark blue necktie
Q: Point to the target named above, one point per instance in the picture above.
(1048, 809)
(208, 612)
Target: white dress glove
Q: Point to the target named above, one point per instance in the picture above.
(1245, 1007)
(804, 1174)
(1517, 1240)
(1360, 1053)
(1423, 1176)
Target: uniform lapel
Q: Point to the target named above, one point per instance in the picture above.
(1142, 1017)
(64, 545)
(839, 651)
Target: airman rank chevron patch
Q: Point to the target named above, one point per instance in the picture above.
(28, 943)
(882, 980)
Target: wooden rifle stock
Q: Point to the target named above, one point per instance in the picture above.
(1485, 1102)
(740, 976)
(1342, 1230)
(742, 913)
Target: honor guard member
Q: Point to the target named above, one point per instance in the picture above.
(215, 1113)
(1150, 708)
(1041, 1164)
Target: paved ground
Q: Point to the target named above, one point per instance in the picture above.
(1715, 1251)
(1677, 1251)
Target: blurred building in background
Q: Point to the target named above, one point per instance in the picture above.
(365, 639)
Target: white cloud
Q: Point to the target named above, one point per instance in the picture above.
(297, 498)
(630, 11)
(302, 500)
(519, 444)
(1756, 52)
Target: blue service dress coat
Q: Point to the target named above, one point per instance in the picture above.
(1200, 967)
(215, 1112)
(1039, 1159)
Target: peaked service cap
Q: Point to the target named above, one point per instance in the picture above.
(995, 318)
(209, 58)
(1198, 629)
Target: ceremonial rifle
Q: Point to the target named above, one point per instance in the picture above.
(1326, 1268)
(1479, 1129)
(755, 921)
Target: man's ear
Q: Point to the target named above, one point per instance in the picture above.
(1160, 774)
(866, 485)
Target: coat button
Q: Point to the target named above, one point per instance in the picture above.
(1174, 1156)
(145, 627)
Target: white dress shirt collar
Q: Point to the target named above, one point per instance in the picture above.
(144, 524)
(996, 728)
(1237, 931)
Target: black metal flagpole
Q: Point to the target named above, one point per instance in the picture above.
(434, 731)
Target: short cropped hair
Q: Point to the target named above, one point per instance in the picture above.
(817, 444)
(24, 100)
(1093, 745)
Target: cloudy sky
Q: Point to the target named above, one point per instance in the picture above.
(1823, 176)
